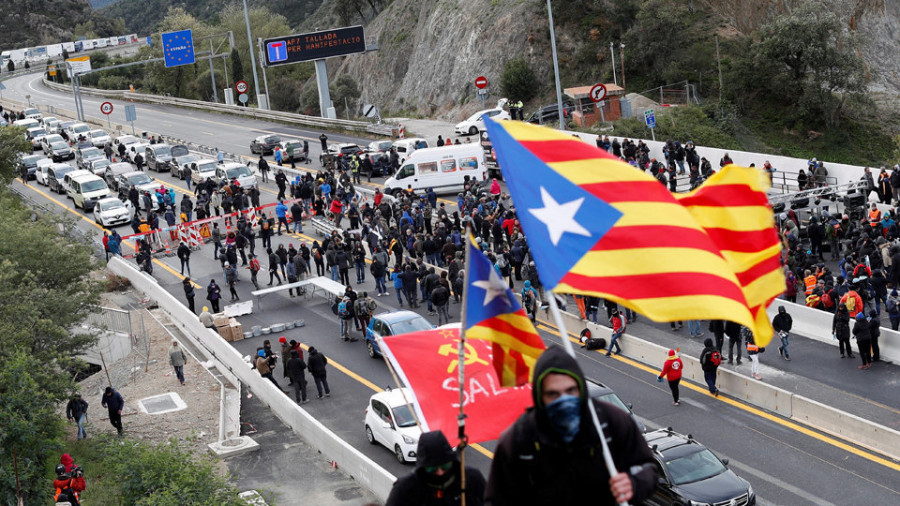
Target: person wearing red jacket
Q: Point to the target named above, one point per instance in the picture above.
(672, 372)
(68, 485)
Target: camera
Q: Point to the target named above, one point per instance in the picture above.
(76, 472)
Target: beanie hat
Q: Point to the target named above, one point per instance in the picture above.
(282, 339)
(860, 316)
(261, 353)
(671, 353)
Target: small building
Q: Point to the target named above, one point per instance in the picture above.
(586, 113)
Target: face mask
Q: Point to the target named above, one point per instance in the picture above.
(565, 415)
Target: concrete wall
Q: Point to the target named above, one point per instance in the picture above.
(816, 324)
(364, 470)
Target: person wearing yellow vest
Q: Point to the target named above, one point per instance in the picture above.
(753, 351)
(874, 216)
(809, 280)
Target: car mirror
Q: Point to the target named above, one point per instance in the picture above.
(662, 480)
(388, 426)
(725, 461)
(630, 405)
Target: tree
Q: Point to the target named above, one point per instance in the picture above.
(12, 143)
(30, 430)
(237, 68)
(517, 82)
(344, 88)
(805, 61)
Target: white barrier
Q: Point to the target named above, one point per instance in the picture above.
(364, 470)
(816, 324)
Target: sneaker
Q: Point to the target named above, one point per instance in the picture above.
(758, 376)
(716, 393)
(787, 358)
(698, 335)
(328, 394)
(861, 367)
(386, 293)
(842, 355)
(781, 351)
(319, 397)
(676, 403)
(739, 362)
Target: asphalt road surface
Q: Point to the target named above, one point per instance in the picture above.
(786, 463)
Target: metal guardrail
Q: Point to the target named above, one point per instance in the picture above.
(262, 114)
(112, 319)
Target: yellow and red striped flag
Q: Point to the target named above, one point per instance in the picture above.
(597, 226)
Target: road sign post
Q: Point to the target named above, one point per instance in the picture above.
(131, 115)
(107, 109)
(650, 120)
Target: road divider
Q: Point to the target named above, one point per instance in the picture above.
(364, 470)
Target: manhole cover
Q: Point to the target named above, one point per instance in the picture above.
(159, 404)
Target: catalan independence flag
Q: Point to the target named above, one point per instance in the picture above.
(597, 226)
(494, 314)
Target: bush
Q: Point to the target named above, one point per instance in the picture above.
(517, 82)
(116, 283)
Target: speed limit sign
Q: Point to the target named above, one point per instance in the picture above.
(106, 108)
(241, 86)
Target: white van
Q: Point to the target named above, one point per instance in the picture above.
(27, 123)
(67, 180)
(444, 169)
(405, 147)
(86, 190)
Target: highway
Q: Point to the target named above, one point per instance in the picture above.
(786, 463)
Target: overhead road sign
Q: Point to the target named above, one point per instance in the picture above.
(178, 48)
(314, 46)
(79, 65)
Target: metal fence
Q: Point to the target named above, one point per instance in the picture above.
(112, 319)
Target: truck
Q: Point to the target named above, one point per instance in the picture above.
(69, 47)
(16, 55)
(101, 42)
(132, 38)
(54, 50)
(79, 46)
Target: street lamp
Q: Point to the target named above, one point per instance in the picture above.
(259, 103)
(622, 54)
(559, 107)
(612, 51)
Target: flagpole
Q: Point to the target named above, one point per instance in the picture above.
(564, 336)
(461, 364)
(412, 409)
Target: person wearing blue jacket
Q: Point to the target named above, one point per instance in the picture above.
(281, 212)
(114, 403)
(398, 284)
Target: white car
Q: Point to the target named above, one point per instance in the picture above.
(111, 211)
(49, 139)
(202, 169)
(99, 138)
(52, 126)
(233, 170)
(48, 119)
(389, 421)
(32, 113)
(40, 174)
(127, 140)
(475, 123)
(98, 167)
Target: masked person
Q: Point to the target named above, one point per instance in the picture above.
(436, 480)
(552, 455)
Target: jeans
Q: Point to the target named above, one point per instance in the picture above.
(710, 377)
(283, 220)
(360, 272)
(179, 373)
(379, 285)
(694, 327)
(185, 263)
(784, 345)
(345, 329)
(399, 295)
(592, 314)
(334, 273)
(298, 227)
(187, 181)
(81, 432)
(218, 246)
(443, 315)
(613, 343)
(322, 381)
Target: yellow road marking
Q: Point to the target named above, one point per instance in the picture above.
(750, 409)
(92, 222)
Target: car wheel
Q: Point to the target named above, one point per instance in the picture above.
(399, 454)
(396, 192)
(370, 347)
(473, 130)
(369, 436)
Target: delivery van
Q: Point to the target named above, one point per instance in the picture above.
(86, 190)
(445, 169)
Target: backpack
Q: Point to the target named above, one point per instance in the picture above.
(715, 358)
(66, 496)
(527, 298)
(502, 262)
(851, 304)
(342, 310)
(827, 300)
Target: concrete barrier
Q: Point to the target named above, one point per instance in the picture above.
(352, 461)
(816, 324)
(845, 425)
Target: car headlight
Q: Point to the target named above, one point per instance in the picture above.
(750, 492)
(408, 440)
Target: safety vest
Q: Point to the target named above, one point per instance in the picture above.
(752, 347)
(874, 217)
(810, 282)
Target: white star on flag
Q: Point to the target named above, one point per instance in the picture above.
(494, 287)
(559, 218)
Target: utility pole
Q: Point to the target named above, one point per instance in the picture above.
(259, 103)
(212, 73)
(719, 60)
(562, 120)
(613, 53)
(622, 48)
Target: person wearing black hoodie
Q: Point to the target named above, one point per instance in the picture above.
(552, 455)
(436, 480)
(709, 365)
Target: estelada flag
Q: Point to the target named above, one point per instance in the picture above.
(427, 362)
(597, 226)
(494, 314)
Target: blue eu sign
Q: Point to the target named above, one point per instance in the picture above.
(178, 48)
(277, 51)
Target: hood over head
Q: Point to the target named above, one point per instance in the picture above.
(555, 360)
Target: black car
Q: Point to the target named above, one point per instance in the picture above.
(60, 151)
(550, 113)
(690, 474)
(30, 164)
(264, 144)
(601, 392)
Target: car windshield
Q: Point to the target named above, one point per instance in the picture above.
(293, 144)
(349, 150)
(80, 129)
(91, 153)
(98, 133)
(613, 399)
(139, 179)
(412, 325)
(187, 158)
(272, 139)
(59, 145)
(236, 172)
(92, 186)
(111, 204)
(162, 151)
(384, 145)
(179, 150)
(128, 139)
(31, 160)
(697, 466)
(31, 111)
(403, 416)
(207, 167)
(62, 172)
(37, 132)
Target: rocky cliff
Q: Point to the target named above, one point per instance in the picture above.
(28, 23)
